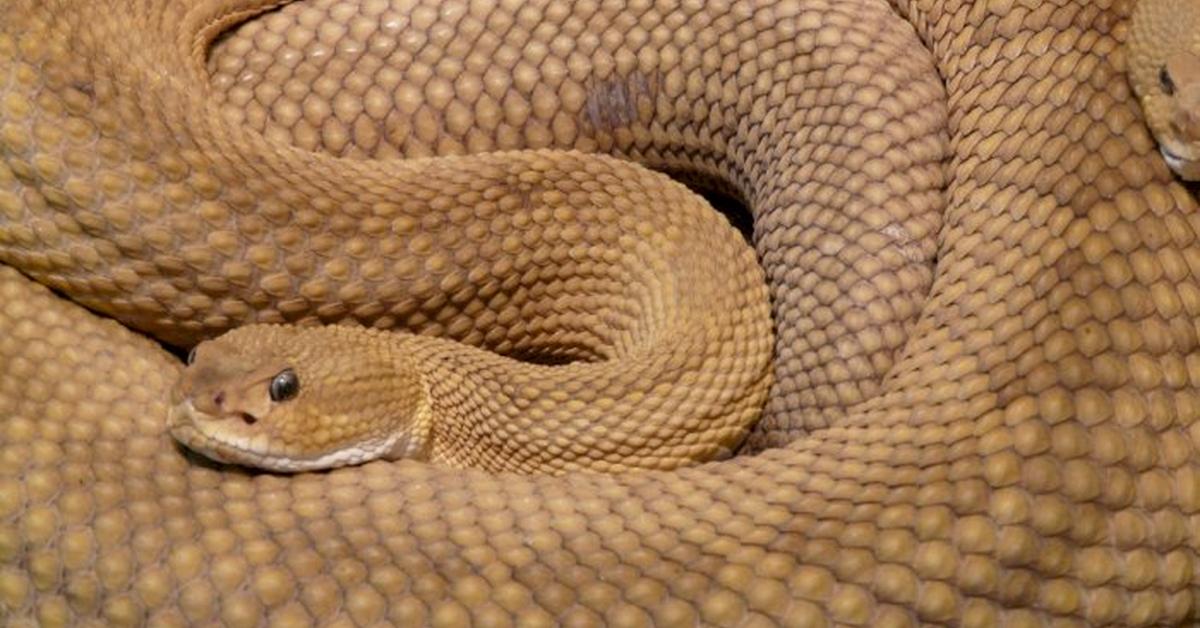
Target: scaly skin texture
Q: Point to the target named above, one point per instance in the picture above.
(1016, 446)
(655, 298)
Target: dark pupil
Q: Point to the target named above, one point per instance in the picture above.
(285, 385)
(1168, 85)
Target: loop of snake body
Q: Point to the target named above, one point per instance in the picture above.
(982, 278)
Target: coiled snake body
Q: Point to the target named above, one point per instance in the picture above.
(1010, 440)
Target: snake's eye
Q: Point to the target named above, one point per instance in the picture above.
(191, 356)
(285, 385)
(1164, 79)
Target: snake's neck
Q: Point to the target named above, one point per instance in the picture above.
(464, 389)
(501, 414)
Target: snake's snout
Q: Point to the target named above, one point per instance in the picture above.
(213, 406)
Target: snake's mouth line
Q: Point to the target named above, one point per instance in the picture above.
(211, 437)
(1181, 162)
(1174, 159)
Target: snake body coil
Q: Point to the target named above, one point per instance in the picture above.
(1011, 439)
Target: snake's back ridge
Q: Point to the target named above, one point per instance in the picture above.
(983, 284)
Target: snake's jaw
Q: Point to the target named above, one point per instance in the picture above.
(219, 441)
(224, 440)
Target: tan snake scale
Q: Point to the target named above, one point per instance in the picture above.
(983, 281)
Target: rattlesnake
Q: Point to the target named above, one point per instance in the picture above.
(1009, 439)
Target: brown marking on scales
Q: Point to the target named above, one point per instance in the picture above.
(613, 103)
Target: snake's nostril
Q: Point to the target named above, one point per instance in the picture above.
(1184, 122)
(219, 398)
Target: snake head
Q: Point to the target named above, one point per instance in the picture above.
(1164, 69)
(287, 399)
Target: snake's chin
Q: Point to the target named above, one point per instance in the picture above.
(1187, 169)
